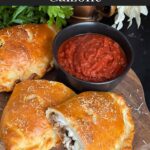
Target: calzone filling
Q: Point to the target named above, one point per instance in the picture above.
(66, 134)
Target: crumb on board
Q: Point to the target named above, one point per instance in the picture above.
(137, 90)
(138, 109)
(144, 141)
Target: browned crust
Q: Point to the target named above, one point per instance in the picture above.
(24, 124)
(26, 50)
(128, 142)
(105, 133)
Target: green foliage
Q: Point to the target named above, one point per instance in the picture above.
(10, 15)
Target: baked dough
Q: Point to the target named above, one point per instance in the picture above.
(93, 121)
(25, 53)
(24, 125)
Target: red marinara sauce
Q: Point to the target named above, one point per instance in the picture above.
(92, 57)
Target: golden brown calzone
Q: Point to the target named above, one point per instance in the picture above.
(24, 125)
(25, 53)
(93, 121)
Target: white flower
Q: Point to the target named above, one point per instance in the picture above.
(131, 12)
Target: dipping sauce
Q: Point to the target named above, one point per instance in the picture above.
(92, 57)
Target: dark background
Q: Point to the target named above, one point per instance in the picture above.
(140, 41)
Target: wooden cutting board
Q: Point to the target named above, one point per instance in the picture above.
(131, 88)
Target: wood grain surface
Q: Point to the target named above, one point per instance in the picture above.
(131, 88)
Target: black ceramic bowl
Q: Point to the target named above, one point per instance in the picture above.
(91, 27)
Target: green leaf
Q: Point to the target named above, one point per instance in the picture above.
(11, 15)
(50, 21)
(18, 11)
(18, 21)
(43, 8)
